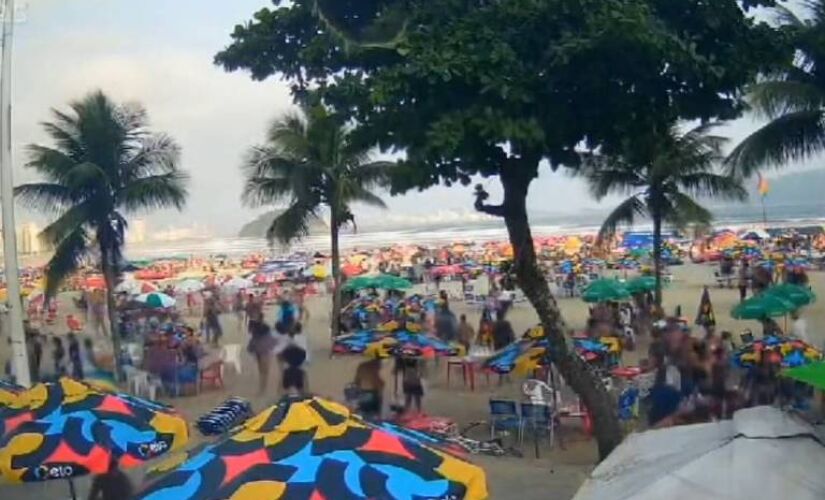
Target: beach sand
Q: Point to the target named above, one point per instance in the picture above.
(556, 475)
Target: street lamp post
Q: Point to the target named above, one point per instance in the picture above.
(20, 360)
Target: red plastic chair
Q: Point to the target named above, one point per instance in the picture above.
(212, 376)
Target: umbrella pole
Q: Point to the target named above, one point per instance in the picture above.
(72, 490)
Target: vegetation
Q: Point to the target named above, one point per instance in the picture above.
(793, 99)
(468, 88)
(310, 161)
(664, 176)
(105, 164)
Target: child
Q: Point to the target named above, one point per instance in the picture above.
(74, 357)
(58, 355)
(411, 383)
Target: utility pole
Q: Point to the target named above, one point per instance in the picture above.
(20, 360)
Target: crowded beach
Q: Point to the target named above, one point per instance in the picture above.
(436, 344)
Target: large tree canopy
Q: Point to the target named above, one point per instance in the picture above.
(471, 83)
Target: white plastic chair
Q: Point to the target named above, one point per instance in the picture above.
(231, 355)
(141, 383)
(135, 353)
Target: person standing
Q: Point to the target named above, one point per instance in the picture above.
(446, 326)
(503, 334)
(59, 357)
(466, 334)
(260, 347)
(211, 318)
(74, 357)
(113, 485)
(743, 280)
(370, 387)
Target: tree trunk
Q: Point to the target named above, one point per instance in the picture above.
(575, 371)
(335, 319)
(657, 256)
(110, 278)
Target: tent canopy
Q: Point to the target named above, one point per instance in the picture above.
(762, 452)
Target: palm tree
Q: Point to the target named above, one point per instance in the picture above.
(663, 180)
(104, 164)
(310, 161)
(792, 100)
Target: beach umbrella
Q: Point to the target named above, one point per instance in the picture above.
(189, 286)
(785, 351)
(238, 283)
(314, 448)
(355, 343)
(350, 269)
(94, 282)
(605, 290)
(406, 344)
(391, 282)
(641, 284)
(798, 295)
(522, 356)
(812, 374)
(67, 429)
(763, 306)
(156, 300)
(762, 452)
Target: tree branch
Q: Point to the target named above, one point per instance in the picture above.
(481, 196)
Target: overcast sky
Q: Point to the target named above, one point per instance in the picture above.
(160, 52)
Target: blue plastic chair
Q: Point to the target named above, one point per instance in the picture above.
(539, 419)
(503, 417)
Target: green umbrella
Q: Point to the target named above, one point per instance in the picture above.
(813, 374)
(641, 284)
(763, 306)
(798, 295)
(605, 290)
(383, 281)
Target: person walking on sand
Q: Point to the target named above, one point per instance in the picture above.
(743, 280)
(260, 347)
(466, 334)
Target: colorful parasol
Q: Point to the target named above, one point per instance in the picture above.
(314, 448)
(522, 356)
(407, 344)
(788, 352)
(763, 306)
(355, 343)
(605, 290)
(67, 429)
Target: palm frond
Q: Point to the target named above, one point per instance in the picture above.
(50, 163)
(292, 224)
(289, 135)
(791, 137)
(69, 253)
(774, 98)
(684, 210)
(156, 191)
(44, 196)
(625, 213)
(360, 194)
(372, 174)
(603, 182)
(713, 185)
(152, 155)
(75, 217)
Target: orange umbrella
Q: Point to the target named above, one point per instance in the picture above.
(94, 282)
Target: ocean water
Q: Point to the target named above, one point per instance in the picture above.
(803, 214)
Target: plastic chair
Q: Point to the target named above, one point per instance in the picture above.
(231, 355)
(212, 375)
(134, 352)
(537, 418)
(503, 416)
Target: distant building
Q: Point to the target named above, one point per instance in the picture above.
(136, 233)
(28, 239)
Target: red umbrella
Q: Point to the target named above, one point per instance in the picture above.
(94, 282)
(351, 270)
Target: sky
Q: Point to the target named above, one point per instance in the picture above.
(159, 53)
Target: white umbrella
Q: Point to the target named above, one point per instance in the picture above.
(762, 453)
(189, 286)
(238, 283)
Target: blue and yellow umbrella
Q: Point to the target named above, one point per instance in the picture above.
(316, 449)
